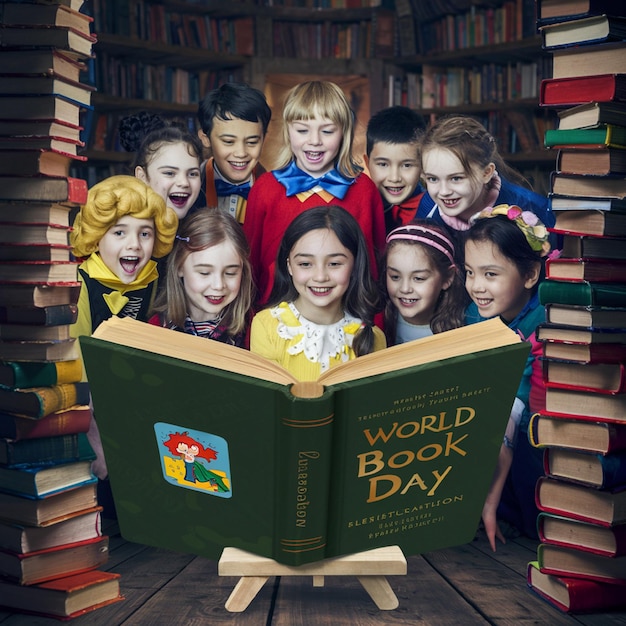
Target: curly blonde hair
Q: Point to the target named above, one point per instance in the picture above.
(113, 198)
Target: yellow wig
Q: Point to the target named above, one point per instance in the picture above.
(112, 199)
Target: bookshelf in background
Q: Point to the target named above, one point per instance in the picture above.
(482, 60)
(581, 557)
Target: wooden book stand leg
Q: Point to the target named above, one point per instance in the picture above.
(369, 567)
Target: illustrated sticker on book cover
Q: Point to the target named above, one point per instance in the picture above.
(193, 459)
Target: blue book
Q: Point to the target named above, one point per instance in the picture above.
(601, 471)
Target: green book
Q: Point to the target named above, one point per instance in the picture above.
(601, 135)
(60, 449)
(210, 446)
(21, 374)
(582, 293)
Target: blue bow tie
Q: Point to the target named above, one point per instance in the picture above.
(295, 181)
(224, 188)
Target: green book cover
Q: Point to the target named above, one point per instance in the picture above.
(601, 135)
(583, 293)
(203, 457)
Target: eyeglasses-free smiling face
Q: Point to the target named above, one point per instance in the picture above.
(414, 284)
(456, 192)
(174, 174)
(127, 247)
(236, 147)
(211, 279)
(494, 282)
(315, 144)
(320, 267)
(395, 170)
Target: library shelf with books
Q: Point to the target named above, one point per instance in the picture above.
(486, 62)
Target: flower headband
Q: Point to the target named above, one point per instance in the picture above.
(533, 228)
(429, 236)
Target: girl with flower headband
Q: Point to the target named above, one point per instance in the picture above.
(315, 167)
(208, 282)
(321, 308)
(505, 249)
(464, 173)
(422, 282)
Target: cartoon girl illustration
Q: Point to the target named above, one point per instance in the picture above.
(189, 450)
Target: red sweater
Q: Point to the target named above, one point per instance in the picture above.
(270, 211)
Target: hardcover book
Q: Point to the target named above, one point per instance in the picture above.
(585, 31)
(561, 561)
(596, 161)
(582, 90)
(18, 14)
(45, 479)
(599, 59)
(71, 41)
(67, 597)
(599, 377)
(51, 563)
(576, 595)
(22, 375)
(550, 332)
(39, 316)
(77, 527)
(593, 247)
(24, 332)
(564, 531)
(568, 432)
(586, 316)
(585, 352)
(70, 447)
(39, 128)
(563, 10)
(40, 296)
(47, 188)
(604, 135)
(46, 85)
(41, 401)
(40, 108)
(70, 421)
(55, 161)
(585, 270)
(38, 271)
(41, 61)
(39, 351)
(606, 471)
(592, 114)
(597, 506)
(50, 253)
(595, 405)
(18, 232)
(35, 213)
(48, 510)
(582, 293)
(571, 203)
(588, 186)
(340, 475)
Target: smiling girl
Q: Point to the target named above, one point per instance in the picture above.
(321, 308)
(315, 168)
(208, 283)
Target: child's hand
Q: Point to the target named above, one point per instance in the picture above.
(491, 523)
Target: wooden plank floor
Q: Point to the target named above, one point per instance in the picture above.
(467, 585)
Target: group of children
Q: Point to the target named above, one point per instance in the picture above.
(318, 261)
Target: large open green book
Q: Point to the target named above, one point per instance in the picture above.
(210, 446)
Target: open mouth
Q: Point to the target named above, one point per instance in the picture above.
(179, 200)
(214, 299)
(320, 291)
(314, 156)
(238, 165)
(129, 264)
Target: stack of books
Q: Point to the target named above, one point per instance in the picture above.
(581, 560)
(51, 542)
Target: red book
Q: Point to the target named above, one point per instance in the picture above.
(570, 533)
(63, 598)
(585, 352)
(580, 90)
(46, 188)
(564, 431)
(576, 595)
(51, 563)
(66, 422)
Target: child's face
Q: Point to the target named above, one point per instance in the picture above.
(414, 284)
(211, 279)
(175, 175)
(494, 282)
(127, 247)
(320, 267)
(456, 192)
(236, 146)
(395, 169)
(315, 144)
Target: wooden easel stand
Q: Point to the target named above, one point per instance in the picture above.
(369, 567)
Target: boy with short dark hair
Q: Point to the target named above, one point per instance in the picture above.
(393, 161)
(233, 123)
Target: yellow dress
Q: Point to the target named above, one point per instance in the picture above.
(305, 349)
